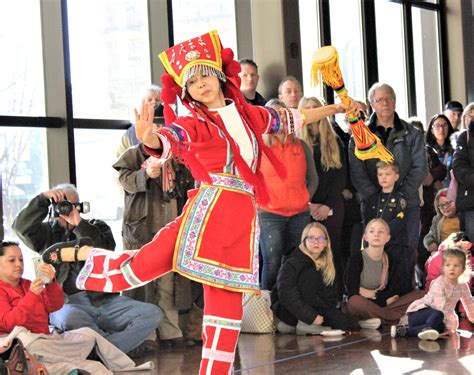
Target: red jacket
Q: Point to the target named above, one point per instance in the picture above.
(21, 307)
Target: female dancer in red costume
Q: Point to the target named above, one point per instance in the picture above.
(215, 240)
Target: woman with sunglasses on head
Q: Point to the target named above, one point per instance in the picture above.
(439, 154)
(445, 222)
(306, 295)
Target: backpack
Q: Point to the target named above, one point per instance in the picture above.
(16, 360)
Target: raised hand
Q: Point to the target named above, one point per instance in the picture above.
(37, 286)
(56, 195)
(47, 270)
(348, 107)
(73, 218)
(144, 126)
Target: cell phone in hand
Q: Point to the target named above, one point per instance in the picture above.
(37, 262)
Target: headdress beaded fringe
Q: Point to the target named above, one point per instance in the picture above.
(202, 70)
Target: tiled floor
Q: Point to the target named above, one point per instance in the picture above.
(366, 352)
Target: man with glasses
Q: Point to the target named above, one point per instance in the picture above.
(126, 323)
(407, 146)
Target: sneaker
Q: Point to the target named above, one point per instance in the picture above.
(428, 334)
(429, 346)
(399, 330)
(310, 329)
(372, 323)
(282, 327)
(371, 334)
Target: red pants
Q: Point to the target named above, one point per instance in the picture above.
(221, 327)
(222, 308)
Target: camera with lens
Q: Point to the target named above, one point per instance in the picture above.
(65, 208)
(158, 118)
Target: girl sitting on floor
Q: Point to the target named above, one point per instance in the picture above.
(305, 296)
(373, 282)
(434, 314)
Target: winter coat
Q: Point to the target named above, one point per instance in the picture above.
(463, 167)
(407, 146)
(147, 208)
(19, 306)
(300, 292)
(38, 235)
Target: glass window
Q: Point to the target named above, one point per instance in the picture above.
(21, 81)
(310, 42)
(390, 51)
(191, 18)
(97, 181)
(427, 63)
(24, 170)
(110, 60)
(346, 36)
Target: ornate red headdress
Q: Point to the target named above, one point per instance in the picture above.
(201, 54)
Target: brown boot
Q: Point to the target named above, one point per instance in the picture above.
(193, 329)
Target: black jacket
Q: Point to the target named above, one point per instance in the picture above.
(354, 268)
(331, 182)
(38, 235)
(463, 167)
(390, 207)
(258, 100)
(407, 146)
(300, 293)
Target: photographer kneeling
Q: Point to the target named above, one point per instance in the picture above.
(126, 323)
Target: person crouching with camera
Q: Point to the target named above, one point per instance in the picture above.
(55, 216)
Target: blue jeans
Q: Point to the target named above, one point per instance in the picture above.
(425, 318)
(126, 323)
(467, 219)
(278, 236)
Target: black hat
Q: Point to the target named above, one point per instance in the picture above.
(453, 106)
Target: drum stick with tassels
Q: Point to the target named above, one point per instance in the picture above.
(325, 64)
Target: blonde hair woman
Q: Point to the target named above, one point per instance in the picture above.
(286, 214)
(326, 204)
(306, 295)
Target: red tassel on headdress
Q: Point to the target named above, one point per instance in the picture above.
(230, 67)
(168, 94)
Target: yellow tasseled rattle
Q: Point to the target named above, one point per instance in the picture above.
(325, 64)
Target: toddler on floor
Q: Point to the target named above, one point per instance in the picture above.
(434, 314)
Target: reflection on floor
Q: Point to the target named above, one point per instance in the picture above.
(367, 352)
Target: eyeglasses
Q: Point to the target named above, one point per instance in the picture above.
(444, 205)
(388, 99)
(314, 239)
(437, 127)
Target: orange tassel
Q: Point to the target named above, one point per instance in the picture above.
(325, 67)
